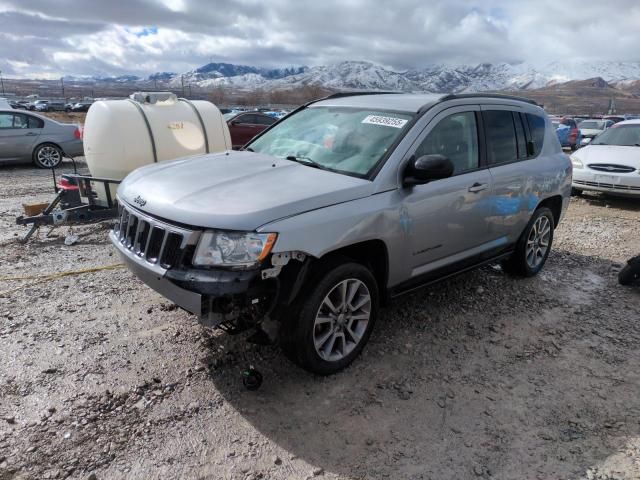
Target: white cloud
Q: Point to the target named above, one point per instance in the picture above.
(144, 36)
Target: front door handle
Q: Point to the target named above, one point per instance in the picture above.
(30, 134)
(478, 187)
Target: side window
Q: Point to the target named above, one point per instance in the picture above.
(501, 136)
(20, 121)
(6, 120)
(536, 127)
(249, 119)
(265, 120)
(455, 137)
(520, 136)
(35, 122)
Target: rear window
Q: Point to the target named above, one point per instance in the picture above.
(35, 122)
(536, 127)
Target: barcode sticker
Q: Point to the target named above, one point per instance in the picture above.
(385, 121)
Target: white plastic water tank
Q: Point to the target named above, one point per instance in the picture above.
(122, 135)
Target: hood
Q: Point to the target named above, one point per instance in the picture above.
(611, 154)
(235, 190)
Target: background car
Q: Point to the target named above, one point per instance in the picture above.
(51, 107)
(27, 137)
(568, 132)
(592, 127)
(614, 118)
(18, 105)
(35, 104)
(611, 162)
(80, 107)
(246, 125)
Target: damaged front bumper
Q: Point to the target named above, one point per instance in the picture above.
(156, 252)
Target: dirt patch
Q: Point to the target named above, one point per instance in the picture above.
(482, 376)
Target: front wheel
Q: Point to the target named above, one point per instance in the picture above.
(334, 320)
(534, 245)
(47, 155)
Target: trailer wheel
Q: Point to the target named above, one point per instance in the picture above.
(47, 155)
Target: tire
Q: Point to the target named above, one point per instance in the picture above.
(320, 332)
(630, 274)
(576, 192)
(523, 262)
(47, 155)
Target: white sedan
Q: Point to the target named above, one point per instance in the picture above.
(611, 162)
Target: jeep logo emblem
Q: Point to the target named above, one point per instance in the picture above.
(140, 201)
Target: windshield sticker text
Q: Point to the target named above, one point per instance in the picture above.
(385, 121)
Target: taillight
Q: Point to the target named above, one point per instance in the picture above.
(78, 133)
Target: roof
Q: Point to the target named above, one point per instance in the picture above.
(405, 102)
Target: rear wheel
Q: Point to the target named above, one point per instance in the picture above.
(47, 155)
(333, 322)
(534, 245)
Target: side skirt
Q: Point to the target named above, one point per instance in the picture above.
(447, 272)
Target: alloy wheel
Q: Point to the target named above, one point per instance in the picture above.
(538, 242)
(49, 156)
(342, 319)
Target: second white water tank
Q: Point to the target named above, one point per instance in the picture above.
(122, 135)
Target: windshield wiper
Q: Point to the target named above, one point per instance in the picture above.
(305, 161)
(248, 149)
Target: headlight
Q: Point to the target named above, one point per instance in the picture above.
(233, 249)
(576, 163)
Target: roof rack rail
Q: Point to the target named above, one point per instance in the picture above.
(353, 94)
(454, 96)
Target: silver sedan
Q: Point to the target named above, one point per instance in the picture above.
(28, 137)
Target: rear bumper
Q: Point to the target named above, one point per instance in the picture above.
(72, 148)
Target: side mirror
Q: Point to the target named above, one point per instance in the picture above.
(427, 168)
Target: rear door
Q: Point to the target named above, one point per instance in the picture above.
(510, 159)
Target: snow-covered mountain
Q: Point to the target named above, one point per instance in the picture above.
(360, 75)
(233, 75)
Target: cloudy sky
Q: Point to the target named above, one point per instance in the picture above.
(48, 38)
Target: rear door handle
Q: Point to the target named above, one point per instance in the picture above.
(478, 187)
(30, 134)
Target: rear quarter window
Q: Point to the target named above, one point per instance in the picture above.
(536, 127)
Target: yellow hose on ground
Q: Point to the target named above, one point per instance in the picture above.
(54, 276)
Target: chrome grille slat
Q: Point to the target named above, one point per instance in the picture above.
(611, 167)
(152, 240)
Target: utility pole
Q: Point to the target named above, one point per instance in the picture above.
(62, 84)
(189, 90)
(182, 80)
(2, 82)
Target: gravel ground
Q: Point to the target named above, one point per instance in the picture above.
(482, 376)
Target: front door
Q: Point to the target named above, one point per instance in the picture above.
(18, 134)
(445, 221)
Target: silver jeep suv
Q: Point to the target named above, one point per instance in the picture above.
(343, 204)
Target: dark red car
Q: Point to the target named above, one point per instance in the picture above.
(246, 125)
